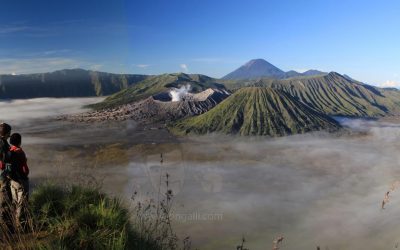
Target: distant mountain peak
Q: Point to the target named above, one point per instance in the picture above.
(257, 62)
(260, 68)
(335, 74)
(71, 70)
(313, 72)
(254, 69)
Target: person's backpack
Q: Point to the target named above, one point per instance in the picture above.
(12, 168)
(9, 167)
(4, 158)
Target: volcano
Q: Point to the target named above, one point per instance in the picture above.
(257, 111)
(159, 108)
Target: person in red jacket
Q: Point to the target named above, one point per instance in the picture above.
(19, 177)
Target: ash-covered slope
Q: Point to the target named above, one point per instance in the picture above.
(257, 111)
(158, 108)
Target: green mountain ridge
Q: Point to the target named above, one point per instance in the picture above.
(333, 94)
(65, 83)
(257, 111)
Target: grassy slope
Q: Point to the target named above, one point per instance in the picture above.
(257, 111)
(155, 85)
(333, 94)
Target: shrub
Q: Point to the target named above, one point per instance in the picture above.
(76, 218)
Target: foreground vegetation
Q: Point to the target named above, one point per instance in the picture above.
(84, 218)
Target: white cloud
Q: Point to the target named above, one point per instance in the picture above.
(390, 84)
(20, 29)
(142, 66)
(38, 65)
(54, 52)
(7, 29)
(184, 67)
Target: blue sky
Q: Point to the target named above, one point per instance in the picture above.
(358, 38)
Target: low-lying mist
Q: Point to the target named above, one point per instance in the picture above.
(20, 111)
(316, 189)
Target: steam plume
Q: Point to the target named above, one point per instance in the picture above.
(177, 94)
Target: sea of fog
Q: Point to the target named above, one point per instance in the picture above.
(316, 189)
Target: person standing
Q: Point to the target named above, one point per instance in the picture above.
(5, 159)
(19, 178)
